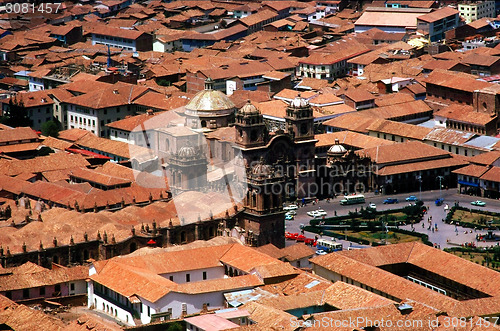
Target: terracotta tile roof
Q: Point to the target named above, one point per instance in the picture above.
(356, 121)
(410, 151)
(258, 17)
(393, 112)
(303, 283)
(465, 113)
(268, 318)
(350, 139)
(400, 129)
(297, 252)
(84, 86)
(426, 315)
(72, 135)
(17, 134)
(106, 30)
(56, 161)
(421, 166)
(221, 284)
(492, 174)
(113, 147)
(346, 296)
(16, 148)
(438, 14)
(88, 175)
(275, 270)
(381, 18)
(223, 134)
(246, 259)
(271, 250)
(480, 60)
(20, 317)
(486, 158)
(393, 99)
(342, 52)
(56, 143)
(131, 122)
(288, 94)
(25, 280)
(454, 80)
(128, 281)
(339, 109)
(472, 170)
(32, 99)
(359, 95)
(115, 95)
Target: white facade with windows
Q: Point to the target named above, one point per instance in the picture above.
(118, 42)
(473, 11)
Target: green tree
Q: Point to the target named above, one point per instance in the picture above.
(50, 129)
(16, 114)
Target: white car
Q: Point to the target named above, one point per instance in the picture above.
(290, 207)
(291, 212)
(321, 252)
(372, 205)
(317, 213)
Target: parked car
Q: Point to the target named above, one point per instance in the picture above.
(292, 212)
(390, 201)
(301, 238)
(317, 213)
(321, 252)
(290, 207)
(412, 198)
(288, 217)
(478, 203)
(310, 241)
(372, 206)
(439, 201)
(291, 236)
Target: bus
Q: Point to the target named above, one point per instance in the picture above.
(328, 246)
(353, 199)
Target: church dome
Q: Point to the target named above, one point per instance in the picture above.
(337, 149)
(249, 109)
(187, 152)
(209, 100)
(262, 169)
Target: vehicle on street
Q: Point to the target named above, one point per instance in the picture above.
(372, 206)
(439, 202)
(478, 203)
(321, 252)
(353, 199)
(310, 241)
(412, 198)
(390, 201)
(301, 238)
(288, 217)
(290, 207)
(317, 213)
(292, 212)
(291, 236)
(328, 245)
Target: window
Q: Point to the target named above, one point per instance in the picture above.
(149, 311)
(26, 293)
(72, 286)
(57, 288)
(188, 278)
(204, 275)
(42, 291)
(171, 278)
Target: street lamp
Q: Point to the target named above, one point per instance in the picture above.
(440, 179)
(419, 178)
